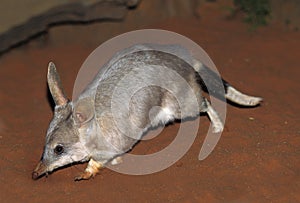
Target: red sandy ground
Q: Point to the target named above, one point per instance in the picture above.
(256, 160)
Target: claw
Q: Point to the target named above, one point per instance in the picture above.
(91, 170)
(84, 176)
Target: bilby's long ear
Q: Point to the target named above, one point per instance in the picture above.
(83, 111)
(55, 86)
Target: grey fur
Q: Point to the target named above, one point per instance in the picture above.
(160, 81)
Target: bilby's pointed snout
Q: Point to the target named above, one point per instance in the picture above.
(39, 170)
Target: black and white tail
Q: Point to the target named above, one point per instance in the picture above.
(214, 85)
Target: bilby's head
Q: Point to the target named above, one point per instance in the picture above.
(63, 142)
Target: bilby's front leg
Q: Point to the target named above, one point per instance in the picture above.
(91, 170)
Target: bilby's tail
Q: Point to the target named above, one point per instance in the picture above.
(219, 88)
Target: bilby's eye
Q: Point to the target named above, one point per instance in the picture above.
(59, 149)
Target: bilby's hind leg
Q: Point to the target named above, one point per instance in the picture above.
(91, 170)
(217, 124)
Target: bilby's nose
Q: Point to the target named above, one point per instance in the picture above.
(39, 170)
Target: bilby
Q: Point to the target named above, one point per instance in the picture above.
(117, 107)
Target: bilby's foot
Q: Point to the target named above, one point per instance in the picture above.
(84, 176)
(216, 121)
(116, 161)
(91, 170)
